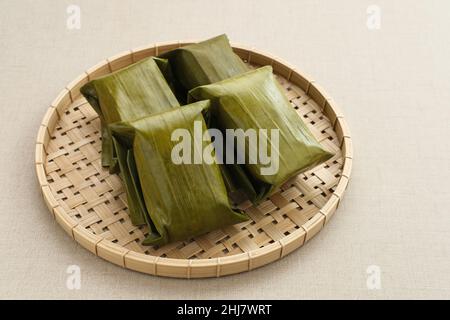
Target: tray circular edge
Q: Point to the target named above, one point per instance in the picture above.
(198, 268)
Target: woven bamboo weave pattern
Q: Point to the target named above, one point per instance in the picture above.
(90, 204)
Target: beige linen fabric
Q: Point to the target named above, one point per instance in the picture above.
(392, 85)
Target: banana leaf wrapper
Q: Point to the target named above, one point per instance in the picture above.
(135, 91)
(181, 200)
(204, 63)
(136, 206)
(255, 100)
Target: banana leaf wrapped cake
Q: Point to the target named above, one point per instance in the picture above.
(253, 104)
(182, 199)
(132, 92)
(141, 119)
(203, 63)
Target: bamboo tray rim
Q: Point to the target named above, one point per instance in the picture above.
(200, 267)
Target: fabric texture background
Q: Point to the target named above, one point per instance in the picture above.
(392, 85)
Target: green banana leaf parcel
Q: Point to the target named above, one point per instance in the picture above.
(255, 100)
(143, 126)
(203, 63)
(129, 93)
(180, 200)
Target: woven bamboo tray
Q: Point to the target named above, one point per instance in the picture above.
(90, 204)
